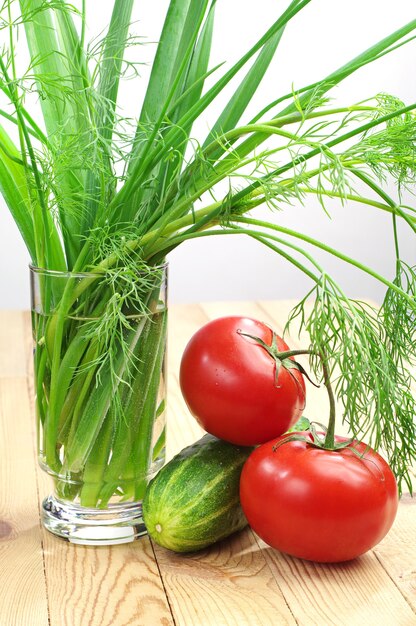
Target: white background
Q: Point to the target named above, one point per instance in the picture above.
(325, 35)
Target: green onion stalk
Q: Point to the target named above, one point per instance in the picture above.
(101, 200)
(100, 398)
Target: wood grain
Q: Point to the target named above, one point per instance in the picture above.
(22, 582)
(216, 586)
(358, 592)
(184, 321)
(237, 582)
(228, 584)
(104, 586)
(182, 429)
(13, 348)
(396, 552)
(341, 584)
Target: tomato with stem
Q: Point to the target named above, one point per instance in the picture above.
(318, 496)
(318, 504)
(235, 388)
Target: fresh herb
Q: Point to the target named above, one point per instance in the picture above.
(93, 191)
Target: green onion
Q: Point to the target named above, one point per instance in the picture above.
(97, 195)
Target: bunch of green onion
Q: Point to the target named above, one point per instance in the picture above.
(105, 199)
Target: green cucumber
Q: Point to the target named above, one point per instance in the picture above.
(194, 500)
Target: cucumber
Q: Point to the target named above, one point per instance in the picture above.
(194, 499)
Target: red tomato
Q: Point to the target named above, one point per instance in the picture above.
(229, 384)
(318, 504)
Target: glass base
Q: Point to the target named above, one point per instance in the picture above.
(119, 523)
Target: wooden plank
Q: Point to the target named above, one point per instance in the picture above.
(182, 428)
(104, 586)
(354, 593)
(228, 584)
(28, 346)
(234, 582)
(112, 580)
(22, 579)
(323, 594)
(184, 321)
(215, 586)
(100, 586)
(13, 353)
(397, 552)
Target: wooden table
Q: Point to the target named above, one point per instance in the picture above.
(47, 581)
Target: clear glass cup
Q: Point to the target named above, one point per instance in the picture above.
(100, 394)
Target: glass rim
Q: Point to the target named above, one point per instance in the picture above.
(68, 273)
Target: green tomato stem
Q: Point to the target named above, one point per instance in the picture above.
(329, 443)
(330, 433)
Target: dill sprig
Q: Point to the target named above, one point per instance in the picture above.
(373, 382)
